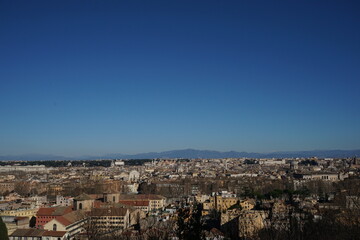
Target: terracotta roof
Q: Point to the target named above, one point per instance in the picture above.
(141, 196)
(83, 197)
(54, 233)
(135, 202)
(108, 211)
(27, 233)
(53, 211)
(71, 217)
(95, 196)
(98, 204)
(36, 233)
(63, 221)
(45, 211)
(61, 211)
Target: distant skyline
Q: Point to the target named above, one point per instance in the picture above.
(191, 154)
(99, 77)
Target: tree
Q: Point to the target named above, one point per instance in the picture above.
(189, 223)
(93, 229)
(3, 231)
(32, 222)
(22, 188)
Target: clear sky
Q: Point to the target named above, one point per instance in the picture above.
(95, 77)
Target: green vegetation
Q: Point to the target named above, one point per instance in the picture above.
(136, 162)
(250, 161)
(61, 163)
(75, 163)
(308, 162)
(3, 231)
(276, 193)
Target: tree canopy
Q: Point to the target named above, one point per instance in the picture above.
(3, 231)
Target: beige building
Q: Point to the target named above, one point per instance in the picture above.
(28, 168)
(108, 219)
(20, 212)
(136, 215)
(155, 201)
(12, 223)
(219, 203)
(247, 204)
(83, 202)
(333, 177)
(64, 201)
(37, 234)
(7, 186)
(251, 221)
(229, 215)
(143, 205)
(111, 197)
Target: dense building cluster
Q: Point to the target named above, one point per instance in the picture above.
(181, 199)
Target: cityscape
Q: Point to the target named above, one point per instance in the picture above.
(179, 120)
(229, 198)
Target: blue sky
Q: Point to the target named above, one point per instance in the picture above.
(96, 77)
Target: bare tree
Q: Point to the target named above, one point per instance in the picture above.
(22, 188)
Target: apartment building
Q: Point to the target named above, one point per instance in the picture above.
(155, 201)
(37, 234)
(109, 219)
(143, 205)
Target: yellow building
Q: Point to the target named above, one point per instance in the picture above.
(250, 222)
(12, 223)
(247, 204)
(221, 203)
(20, 213)
(229, 216)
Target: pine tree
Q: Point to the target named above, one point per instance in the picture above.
(3, 230)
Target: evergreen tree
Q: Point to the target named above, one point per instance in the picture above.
(32, 222)
(3, 231)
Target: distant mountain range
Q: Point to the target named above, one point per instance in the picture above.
(193, 153)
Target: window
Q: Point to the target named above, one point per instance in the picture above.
(54, 227)
(80, 206)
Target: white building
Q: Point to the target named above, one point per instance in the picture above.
(64, 201)
(28, 168)
(134, 175)
(117, 163)
(38, 234)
